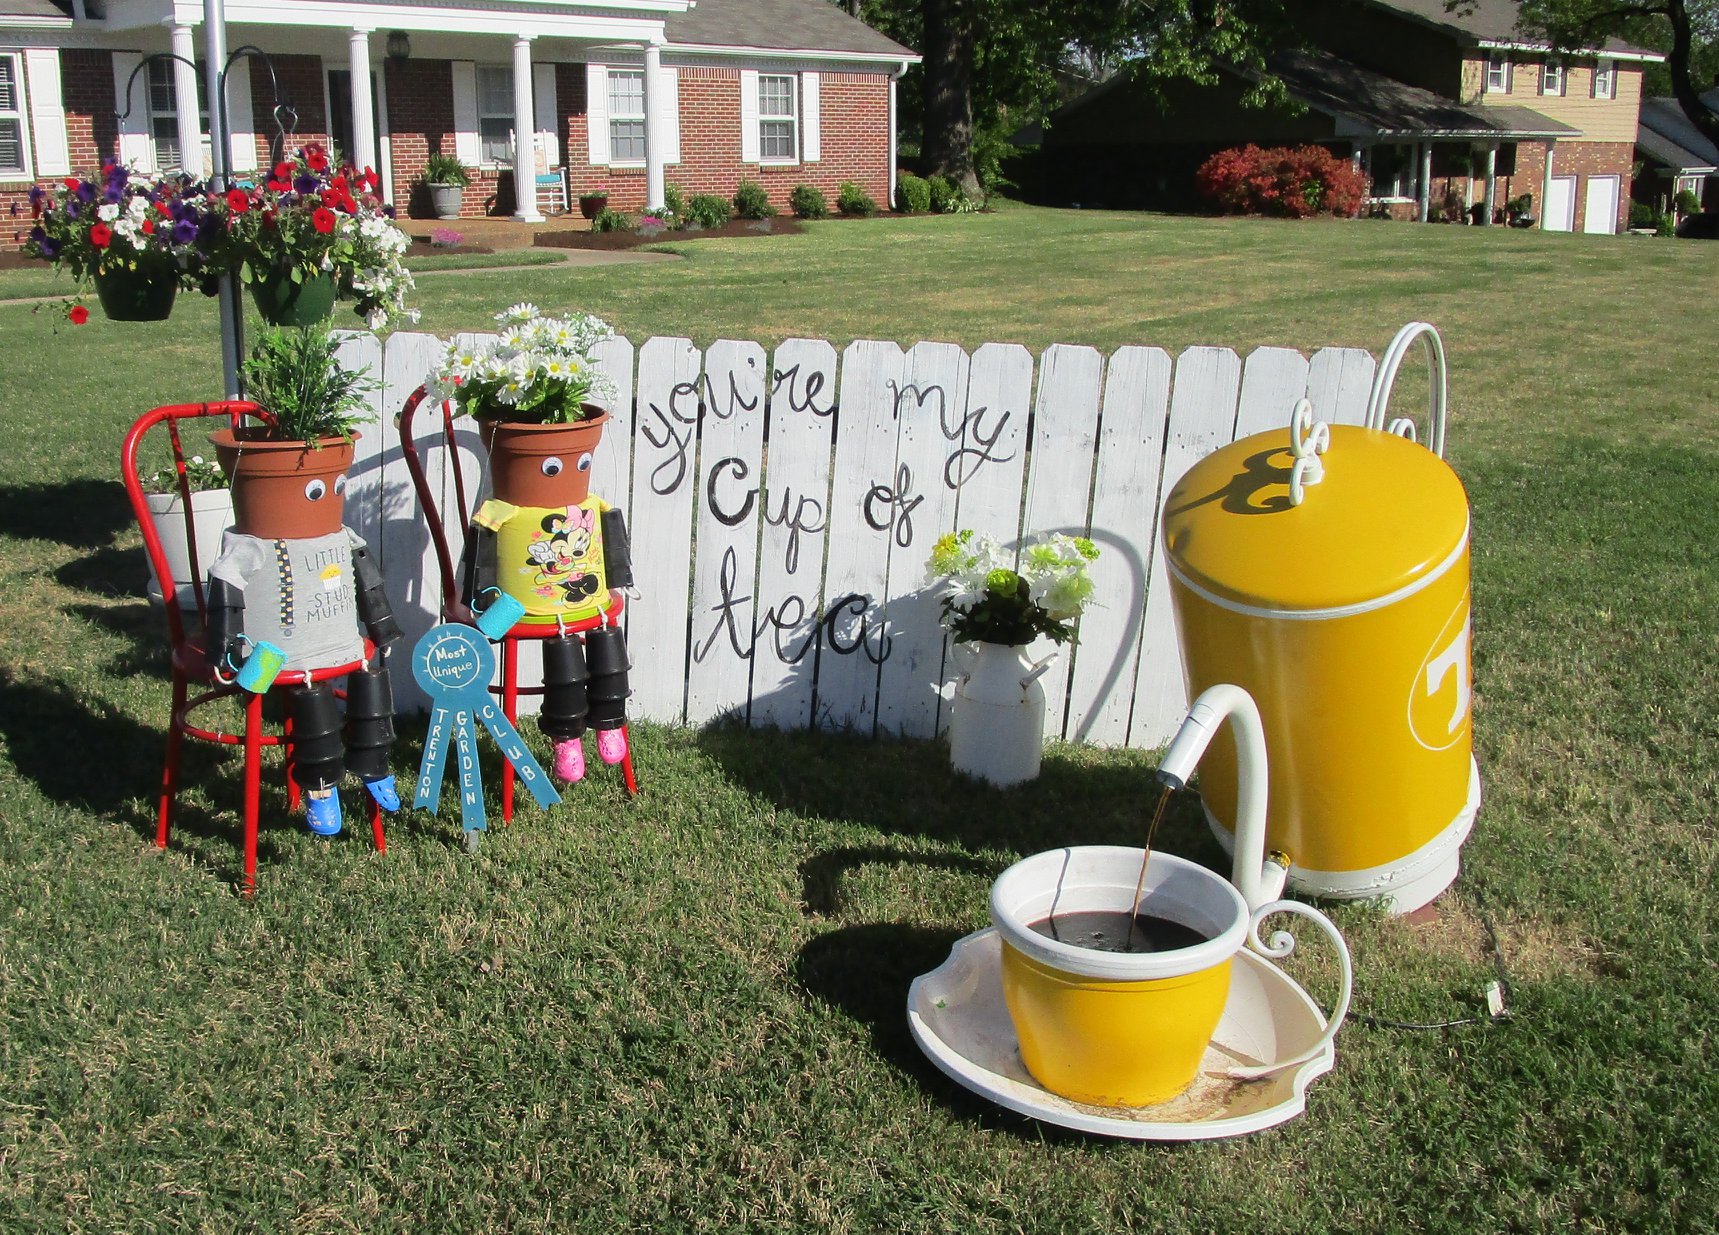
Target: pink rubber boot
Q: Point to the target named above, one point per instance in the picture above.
(612, 745)
(570, 760)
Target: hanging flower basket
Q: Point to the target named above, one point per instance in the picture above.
(143, 294)
(283, 302)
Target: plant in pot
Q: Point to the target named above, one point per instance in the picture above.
(293, 578)
(593, 204)
(138, 241)
(545, 547)
(995, 604)
(167, 490)
(446, 178)
(313, 233)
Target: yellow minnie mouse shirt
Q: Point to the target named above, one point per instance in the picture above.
(550, 558)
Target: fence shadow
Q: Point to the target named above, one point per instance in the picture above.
(80, 514)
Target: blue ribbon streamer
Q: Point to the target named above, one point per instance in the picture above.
(454, 665)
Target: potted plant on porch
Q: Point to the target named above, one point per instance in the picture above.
(211, 515)
(446, 178)
(593, 204)
(995, 604)
(138, 241)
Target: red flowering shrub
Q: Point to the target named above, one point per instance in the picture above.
(1284, 182)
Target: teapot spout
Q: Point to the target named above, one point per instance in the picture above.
(1214, 706)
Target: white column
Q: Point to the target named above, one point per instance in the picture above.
(1546, 186)
(1491, 182)
(1426, 182)
(893, 78)
(524, 135)
(190, 124)
(363, 152)
(653, 127)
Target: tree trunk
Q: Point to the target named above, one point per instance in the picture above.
(949, 45)
(1682, 86)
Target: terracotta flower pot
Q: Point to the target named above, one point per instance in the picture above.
(284, 490)
(543, 465)
(142, 295)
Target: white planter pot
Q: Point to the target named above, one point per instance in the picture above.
(212, 514)
(997, 730)
(446, 199)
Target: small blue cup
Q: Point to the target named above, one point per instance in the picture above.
(500, 614)
(261, 666)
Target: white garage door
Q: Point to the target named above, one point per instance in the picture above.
(1561, 204)
(1601, 213)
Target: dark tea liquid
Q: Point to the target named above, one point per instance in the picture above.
(1107, 930)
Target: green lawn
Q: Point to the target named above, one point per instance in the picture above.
(686, 1013)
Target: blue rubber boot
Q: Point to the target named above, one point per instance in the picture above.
(383, 790)
(322, 812)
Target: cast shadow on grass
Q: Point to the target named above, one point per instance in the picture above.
(146, 650)
(106, 571)
(80, 514)
(821, 875)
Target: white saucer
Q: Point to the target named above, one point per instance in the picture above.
(958, 1018)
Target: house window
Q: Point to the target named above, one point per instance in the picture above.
(1605, 79)
(1552, 79)
(11, 117)
(495, 113)
(626, 115)
(1393, 171)
(1497, 73)
(777, 123)
(164, 115)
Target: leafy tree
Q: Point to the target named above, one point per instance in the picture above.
(1686, 30)
(992, 64)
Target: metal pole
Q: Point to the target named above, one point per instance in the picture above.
(220, 152)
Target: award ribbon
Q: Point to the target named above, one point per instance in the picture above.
(454, 664)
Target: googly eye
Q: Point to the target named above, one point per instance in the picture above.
(585, 462)
(552, 466)
(316, 490)
(340, 484)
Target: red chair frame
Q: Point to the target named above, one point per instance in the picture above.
(453, 611)
(188, 664)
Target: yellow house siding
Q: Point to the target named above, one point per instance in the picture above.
(1600, 120)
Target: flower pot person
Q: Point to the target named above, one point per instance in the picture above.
(996, 602)
(544, 539)
(293, 578)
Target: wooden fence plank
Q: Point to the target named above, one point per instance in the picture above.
(795, 502)
(921, 507)
(989, 466)
(612, 470)
(1059, 479)
(1339, 379)
(855, 642)
(1203, 399)
(725, 564)
(1124, 519)
(665, 458)
(1274, 379)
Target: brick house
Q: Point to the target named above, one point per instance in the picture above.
(1675, 155)
(619, 96)
(1450, 114)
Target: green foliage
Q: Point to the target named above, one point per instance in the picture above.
(293, 374)
(853, 200)
(674, 201)
(912, 194)
(611, 220)
(752, 202)
(706, 210)
(1686, 202)
(445, 169)
(947, 197)
(807, 202)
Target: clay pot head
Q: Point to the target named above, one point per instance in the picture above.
(284, 490)
(543, 465)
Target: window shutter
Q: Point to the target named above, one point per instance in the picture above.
(597, 113)
(546, 115)
(47, 112)
(749, 116)
(136, 150)
(466, 147)
(668, 121)
(810, 147)
(241, 124)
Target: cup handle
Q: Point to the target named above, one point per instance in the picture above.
(1281, 945)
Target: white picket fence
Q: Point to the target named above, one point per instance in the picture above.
(782, 505)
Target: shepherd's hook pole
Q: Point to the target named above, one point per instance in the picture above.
(220, 153)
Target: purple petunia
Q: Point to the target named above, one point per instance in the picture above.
(305, 185)
(49, 246)
(86, 192)
(72, 207)
(37, 193)
(185, 231)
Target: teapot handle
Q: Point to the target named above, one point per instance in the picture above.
(1281, 945)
